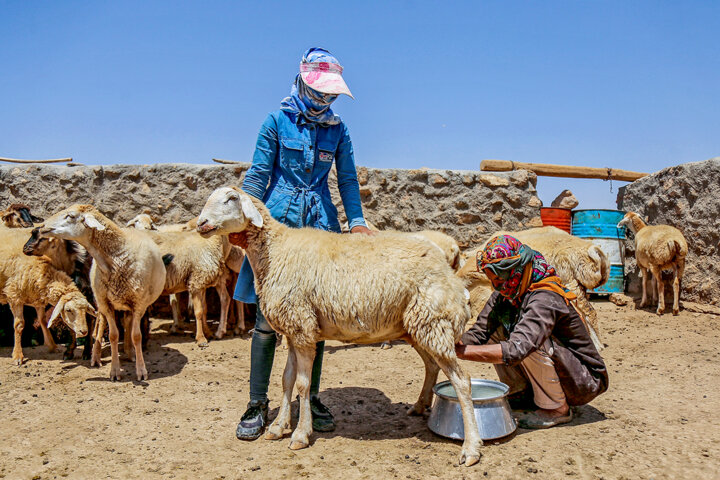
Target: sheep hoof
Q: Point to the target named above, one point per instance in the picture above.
(386, 346)
(219, 334)
(142, 374)
(19, 360)
(660, 311)
(469, 460)
(297, 445)
(274, 433)
(95, 361)
(115, 374)
(68, 355)
(416, 410)
(676, 311)
(52, 348)
(203, 343)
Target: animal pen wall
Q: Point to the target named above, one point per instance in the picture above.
(468, 205)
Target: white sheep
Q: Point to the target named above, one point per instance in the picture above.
(144, 221)
(34, 281)
(198, 264)
(658, 248)
(580, 264)
(127, 274)
(314, 285)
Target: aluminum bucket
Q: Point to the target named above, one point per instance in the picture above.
(492, 410)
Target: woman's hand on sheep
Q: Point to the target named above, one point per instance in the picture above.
(362, 229)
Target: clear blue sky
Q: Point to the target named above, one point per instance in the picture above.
(627, 84)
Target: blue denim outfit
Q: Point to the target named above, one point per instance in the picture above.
(295, 157)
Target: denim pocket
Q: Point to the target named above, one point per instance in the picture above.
(292, 152)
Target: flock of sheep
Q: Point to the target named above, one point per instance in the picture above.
(312, 285)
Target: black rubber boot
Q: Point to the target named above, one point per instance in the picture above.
(322, 419)
(253, 422)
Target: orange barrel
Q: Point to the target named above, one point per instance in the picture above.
(556, 217)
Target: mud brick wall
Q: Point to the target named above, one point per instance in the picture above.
(468, 205)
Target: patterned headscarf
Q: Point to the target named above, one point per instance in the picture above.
(307, 103)
(512, 267)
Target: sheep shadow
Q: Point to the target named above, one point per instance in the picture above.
(160, 363)
(368, 414)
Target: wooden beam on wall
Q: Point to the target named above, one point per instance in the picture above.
(566, 171)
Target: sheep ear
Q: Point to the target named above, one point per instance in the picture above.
(36, 219)
(250, 211)
(91, 310)
(91, 222)
(130, 223)
(56, 313)
(594, 254)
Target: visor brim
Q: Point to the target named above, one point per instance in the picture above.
(326, 82)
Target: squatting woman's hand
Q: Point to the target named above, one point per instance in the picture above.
(362, 229)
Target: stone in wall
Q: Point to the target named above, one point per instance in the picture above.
(467, 205)
(687, 197)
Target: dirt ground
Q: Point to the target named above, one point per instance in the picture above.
(62, 419)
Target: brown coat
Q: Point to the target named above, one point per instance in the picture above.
(542, 315)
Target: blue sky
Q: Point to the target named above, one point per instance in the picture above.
(439, 84)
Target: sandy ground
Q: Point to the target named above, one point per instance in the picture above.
(62, 419)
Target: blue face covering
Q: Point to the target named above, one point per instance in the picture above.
(311, 105)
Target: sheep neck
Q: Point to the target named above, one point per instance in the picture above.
(106, 245)
(637, 224)
(58, 286)
(258, 252)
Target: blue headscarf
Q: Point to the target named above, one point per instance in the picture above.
(307, 103)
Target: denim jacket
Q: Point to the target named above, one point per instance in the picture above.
(295, 157)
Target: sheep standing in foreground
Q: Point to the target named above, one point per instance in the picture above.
(35, 282)
(127, 274)
(314, 285)
(580, 264)
(658, 248)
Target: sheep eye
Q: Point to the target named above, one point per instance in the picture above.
(231, 198)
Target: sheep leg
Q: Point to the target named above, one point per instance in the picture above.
(470, 454)
(96, 358)
(657, 276)
(201, 326)
(678, 270)
(114, 336)
(127, 335)
(646, 277)
(304, 357)
(88, 341)
(18, 325)
(281, 425)
(175, 307)
(140, 369)
(47, 336)
(224, 307)
(431, 374)
(240, 325)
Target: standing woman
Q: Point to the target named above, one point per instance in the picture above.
(295, 150)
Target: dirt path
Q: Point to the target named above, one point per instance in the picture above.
(64, 420)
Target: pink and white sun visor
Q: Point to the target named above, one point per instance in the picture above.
(324, 77)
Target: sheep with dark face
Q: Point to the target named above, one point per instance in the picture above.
(314, 285)
(18, 215)
(35, 282)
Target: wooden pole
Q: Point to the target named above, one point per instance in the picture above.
(566, 171)
(54, 160)
(226, 162)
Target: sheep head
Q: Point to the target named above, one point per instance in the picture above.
(18, 216)
(228, 210)
(632, 221)
(38, 244)
(72, 308)
(142, 222)
(72, 223)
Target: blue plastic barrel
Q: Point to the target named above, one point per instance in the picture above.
(600, 227)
